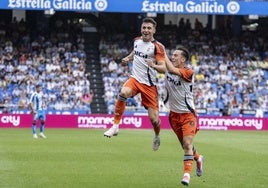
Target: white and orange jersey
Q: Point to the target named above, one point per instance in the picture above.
(153, 50)
(180, 91)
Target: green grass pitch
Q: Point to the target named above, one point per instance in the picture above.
(84, 158)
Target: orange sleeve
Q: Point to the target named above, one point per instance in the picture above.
(160, 52)
(186, 74)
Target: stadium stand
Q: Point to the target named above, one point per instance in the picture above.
(56, 60)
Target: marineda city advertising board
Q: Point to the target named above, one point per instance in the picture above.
(103, 121)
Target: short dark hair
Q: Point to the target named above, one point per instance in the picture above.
(38, 85)
(149, 20)
(185, 52)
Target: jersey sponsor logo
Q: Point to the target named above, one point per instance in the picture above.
(175, 82)
(141, 54)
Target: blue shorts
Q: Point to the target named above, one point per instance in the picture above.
(40, 115)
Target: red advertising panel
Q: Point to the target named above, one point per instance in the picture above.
(102, 121)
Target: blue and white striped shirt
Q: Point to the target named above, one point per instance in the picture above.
(37, 101)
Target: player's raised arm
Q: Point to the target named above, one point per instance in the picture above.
(178, 61)
(170, 67)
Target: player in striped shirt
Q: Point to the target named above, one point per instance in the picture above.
(143, 79)
(38, 111)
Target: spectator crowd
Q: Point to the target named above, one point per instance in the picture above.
(56, 61)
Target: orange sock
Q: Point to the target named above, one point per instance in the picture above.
(188, 166)
(188, 163)
(119, 110)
